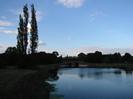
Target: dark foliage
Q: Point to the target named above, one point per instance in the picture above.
(26, 17)
(33, 31)
(22, 38)
(98, 57)
(11, 58)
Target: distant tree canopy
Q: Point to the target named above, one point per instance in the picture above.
(55, 53)
(11, 50)
(22, 37)
(98, 57)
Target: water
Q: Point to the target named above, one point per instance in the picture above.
(92, 83)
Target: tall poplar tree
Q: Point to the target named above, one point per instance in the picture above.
(26, 17)
(33, 31)
(20, 39)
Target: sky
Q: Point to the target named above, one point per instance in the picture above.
(73, 26)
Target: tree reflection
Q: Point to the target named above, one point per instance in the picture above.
(128, 72)
(98, 73)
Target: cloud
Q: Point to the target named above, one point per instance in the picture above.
(4, 31)
(3, 27)
(76, 51)
(71, 3)
(95, 14)
(41, 43)
(5, 23)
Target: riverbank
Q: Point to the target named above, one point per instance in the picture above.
(10, 82)
(26, 83)
(125, 66)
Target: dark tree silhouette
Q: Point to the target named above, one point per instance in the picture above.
(81, 56)
(20, 38)
(26, 17)
(55, 53)
(34, 30)
(127, 57)
(11, 50)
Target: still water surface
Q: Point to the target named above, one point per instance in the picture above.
(92, 83)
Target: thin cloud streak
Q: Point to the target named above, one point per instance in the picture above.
(12, 32)
(95, 14)
(5, 23)
(41, 43)
(71, 3)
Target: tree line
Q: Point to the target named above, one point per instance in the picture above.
(28, 61)
(98, 57)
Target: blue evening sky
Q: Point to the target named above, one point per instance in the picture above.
(72, 24)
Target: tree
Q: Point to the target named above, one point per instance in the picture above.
(33, 31)
(82, 56)
(11, 50)
(26, 17)
(116, 58)
(127, 57)
(55, 53)
(20, 39)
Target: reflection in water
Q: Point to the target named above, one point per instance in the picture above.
(94, 83)
(95, 73)
(128, 72)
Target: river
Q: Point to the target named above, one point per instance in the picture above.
(94, 83)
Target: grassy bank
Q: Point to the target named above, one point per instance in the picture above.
(10, 81)
(25, 84)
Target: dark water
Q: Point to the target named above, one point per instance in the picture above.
(86, 83)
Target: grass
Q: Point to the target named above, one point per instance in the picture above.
(24, 84)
